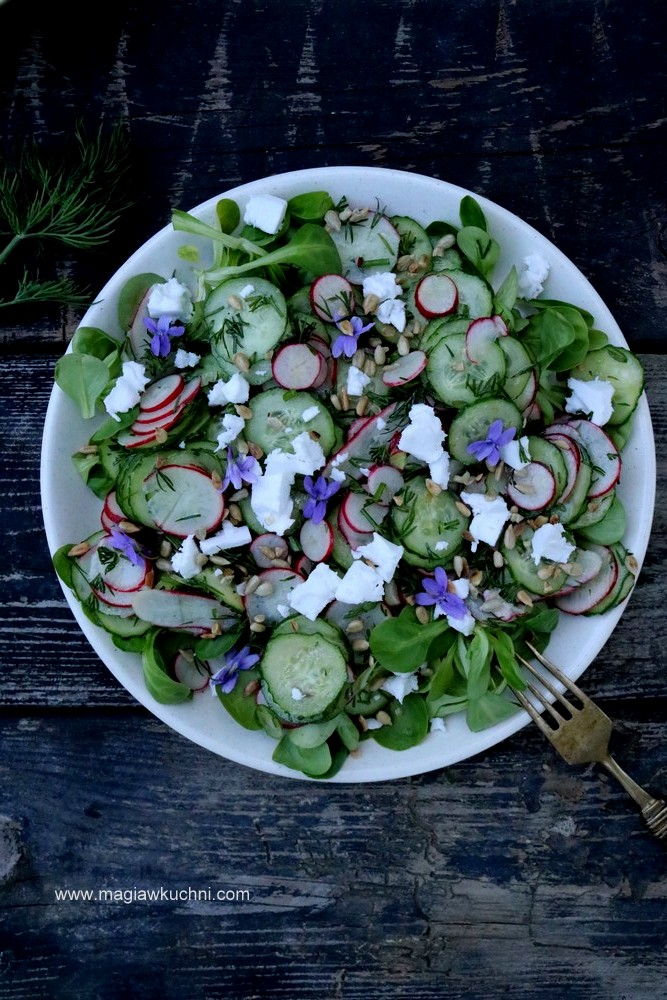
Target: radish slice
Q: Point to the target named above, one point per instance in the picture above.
(404, 369)
(182, 499)
(297, 366)
(525, 399)
(304, 566)
(120, 605)
(317, 540)
(271, 604)
(583, 599)
(361, 513)
(159, 394)
(191, 672)
(572, 456)
(267, 547)
(603, 453)
(353, 538)
(131, 440)
(332, 297)
(384, 482)
(533, 487)
(481, 333)
(111, 510)
(179, 610)
(375, 432)
(189, 392)
(586, 565)
(436, 295)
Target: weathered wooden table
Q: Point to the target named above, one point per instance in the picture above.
(507, 873)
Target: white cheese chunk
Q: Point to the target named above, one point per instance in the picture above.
(312, 596)
(489, 517)
(186, 359)
(126, 393)
(231, 536)
(385, 555)
(185, 560)
(515, 453)
(235, 390)
(170, 298)
(231, 428)
(533, 272)
(593, 397)
(265, 212)
(361, 583)
(549, 542)
(438, 725)
(400, 685)
(271, 502)
(391, 308)
(309, 414)
(297, 694)
(424, 436)
(356, 381)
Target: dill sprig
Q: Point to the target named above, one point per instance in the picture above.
(73, 200)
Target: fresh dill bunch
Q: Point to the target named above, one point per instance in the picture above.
(74, 201)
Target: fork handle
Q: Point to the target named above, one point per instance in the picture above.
(653, 810)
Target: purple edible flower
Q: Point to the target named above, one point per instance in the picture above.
(162, 331)
(235, 661)
(488, 448)
(351, 328)
(319, 491)
(435, 592)
(119, 540)
(243, 468)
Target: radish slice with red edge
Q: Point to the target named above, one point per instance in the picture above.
(332, 297)
(384, 482)
(481, 333)
(571, 453)
(436, 295)
(190, 671)
(362, 513)
(275, 585)
(533, 487)
(583, 599)
(404, 369)
(267, 547)
(160, 393)
(182, 500)
(317, 540)
(373, 433)
(603, 453)
(182, 611)
(353, 538)
(297, 366)
(586, 565)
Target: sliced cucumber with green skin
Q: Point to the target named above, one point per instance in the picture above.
(595, 510)
(519, 560)
(131, 490)
(576, 501)
(549, 454)
(424, 520)
(253, 330)
(621, 368)
(436, 329)
(455, 379)
(609, 529)
(304, 677)
(475, 294)
(369, 246)
(415, 241)
(472, 424)
(519, 368)
(277, 418)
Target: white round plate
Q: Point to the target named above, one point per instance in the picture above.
(71, 512)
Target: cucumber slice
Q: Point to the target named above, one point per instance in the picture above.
(254, 329)
(425, 520)
(623, 370)
(304, 676)
(519, 561)
(277, 418)
(610, 528)
(369, 246)
(595, 510)
(472, 424)
(475, 294)
(414, 241)
(455, 379)
(576, 501)
(549, 454)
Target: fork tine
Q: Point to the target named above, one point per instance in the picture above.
(545, 683)
(546, 705)
(533, 713)
(558, 674)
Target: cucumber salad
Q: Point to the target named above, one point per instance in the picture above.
(346, 472)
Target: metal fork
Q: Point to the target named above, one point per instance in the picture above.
(583, 737)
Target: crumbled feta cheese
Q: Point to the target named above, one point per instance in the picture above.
(170, 298)
(593, 397)
(380, 423)
(373, 724)
(246, 291)
(297, 694)
(265, 212)
(337, 475)
(400, 685)
(186, 359)
(361, 583)
(230, 537)
(423, 438)
(549, 542)
(356, 381)
(309, 414)
(231, 428)
(185, 560)
(489, 517)
(533, 272)
(127, 390)
(384, 554)
(441, 546)
(438, 725)
(463, 625)
(283, 610)
(391, 308)
(236, 390)
(306, 458)
(312, 596)
(271, 502)
(460, 587)
(516, 454)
